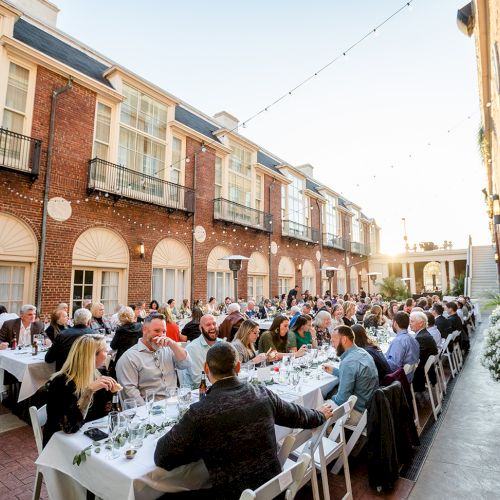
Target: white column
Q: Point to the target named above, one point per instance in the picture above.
(444, 281)
(385, 270)
(413, 286)
(451, 267)
(404, 270)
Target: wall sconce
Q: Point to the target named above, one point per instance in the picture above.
(299, 268)
(496, 258)
(141, 250)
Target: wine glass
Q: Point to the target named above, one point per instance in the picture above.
(149, 399)
(130, 409)
(116, 424)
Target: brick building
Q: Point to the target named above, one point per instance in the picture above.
(129, 193)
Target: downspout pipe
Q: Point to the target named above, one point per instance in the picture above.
(193, 243)
(41, 261)
(271, 240)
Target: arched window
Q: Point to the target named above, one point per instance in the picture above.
(432, 276)
(171, 271)
(286, 275)
(308, 277)
(219, 277)
(100, 268)
(18, 255)
(258, 277)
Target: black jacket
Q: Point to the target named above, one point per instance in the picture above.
(61, 346)
(427, 348)
(191, 330)
(381, 363)
(381, 444)
(221, 429)
(443, 325)
(126, 336)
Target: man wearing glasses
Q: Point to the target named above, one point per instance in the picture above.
(152, 362)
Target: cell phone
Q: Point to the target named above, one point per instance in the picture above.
(95, 434)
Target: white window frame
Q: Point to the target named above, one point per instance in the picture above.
(175, 293)
(227, 286)
(27, 283)
(5, 61)
(181, 167)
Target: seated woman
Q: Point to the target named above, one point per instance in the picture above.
(192, 330)
(374, 317)
(349, 318)
(58, 323)
(304, 332)
(277, 341)
(212, 306)
(153, 306)
(337, 315)
(78, 392)
(173, 330)
(127, 334)
(361, 340)
(185, 310)
(244, 342)
(322, 324)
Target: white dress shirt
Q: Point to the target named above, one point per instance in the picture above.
(24, 335)
(197, 350)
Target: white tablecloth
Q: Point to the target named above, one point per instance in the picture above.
(32, 371)
(140, 479)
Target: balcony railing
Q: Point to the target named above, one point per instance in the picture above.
(299, 231)
(230, 211)
(20, 153)
(123, 182)
(331, 240)
(360, 248)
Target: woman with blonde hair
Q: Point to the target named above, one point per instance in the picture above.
(78, 392)
(58, 323)
(337, 315)
(349, 318)
(244, 342)
(127, 334)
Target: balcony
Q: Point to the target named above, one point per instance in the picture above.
(20, 153)
(299, 231)
(360, 248)
(330, 240)
(242, 215)
(122, 182)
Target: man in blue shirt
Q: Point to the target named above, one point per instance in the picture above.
(357, 374)
(403, 350)
(295, 313)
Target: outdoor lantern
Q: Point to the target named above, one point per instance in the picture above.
(141, 250)
(235, 263)
(496, 208)
(330, 274)
(373, 277)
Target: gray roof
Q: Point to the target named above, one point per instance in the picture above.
(59, 50)
(196, 123)
(268, 162)
(312, 186)
(343, 203)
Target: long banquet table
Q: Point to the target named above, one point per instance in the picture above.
(140, 479)
(32, 371)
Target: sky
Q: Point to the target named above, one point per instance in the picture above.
(393, 127)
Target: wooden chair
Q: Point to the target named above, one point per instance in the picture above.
(38, 420)
(287, 481)
(435, 399)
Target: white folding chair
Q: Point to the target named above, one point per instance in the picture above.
(457, 352)
(447, 353)
(435, 400)
(357, 431)
(285, 449)
(287, 481)
(443, 383)
(38, 420)
(408, 370)
(330, 448)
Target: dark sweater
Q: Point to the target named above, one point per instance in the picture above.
(381, 363)
(61, 346)
(126, 336)
(191, 330)
(232, 430)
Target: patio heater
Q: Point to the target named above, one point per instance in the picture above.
(373, 277)
(235, 263)
(330, 274)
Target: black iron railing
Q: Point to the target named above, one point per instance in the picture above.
(331, 240)
(236, 213)
(299, 231)
(20, 153)
(360, 248)
(123, 182)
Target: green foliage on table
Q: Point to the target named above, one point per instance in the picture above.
(82, 456)
(393, 289)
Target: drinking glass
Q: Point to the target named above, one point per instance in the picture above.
(117, 426)
(170, 402)
(149, 399)
(130, 409)
(137, 433)
(294, 380)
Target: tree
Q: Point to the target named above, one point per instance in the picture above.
(393, 289)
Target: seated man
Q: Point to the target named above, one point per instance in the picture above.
(232, 322)
(442, 323)
(197, 350)
(151, 363)
(403, 349)
(358, 375)
(61, 346)
(250, 311)
(22, 328)
(232, 429)
(433, 329)
(427, 347)
(294, 315)
(265, 310)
